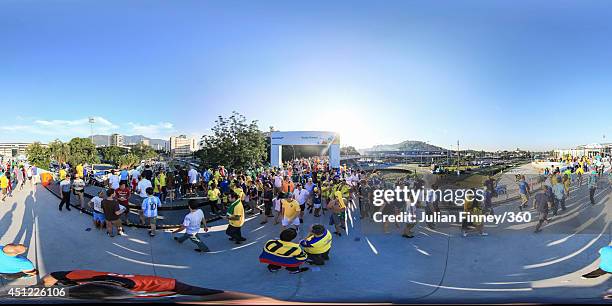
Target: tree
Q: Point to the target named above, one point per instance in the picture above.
(82, 151)
(235, 143)
(144, 151)
(38, 155)
(128, 160)
(112, 153)
(59, 151)
(348, 151)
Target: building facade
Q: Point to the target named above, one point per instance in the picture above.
(182, 146)
(116, 140)
(13, 150)
(590, 150)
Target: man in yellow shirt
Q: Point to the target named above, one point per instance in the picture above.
(62, 174)
(4, 182)
(580, 172)
(159, 188)
(290, 210)
(338, 208)
(217, 175)
(235, 217)
(236, 186)
(79, 171)
(163, 184)
(317, 244)
(213, 198)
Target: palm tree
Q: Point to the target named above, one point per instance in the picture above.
(59, 151)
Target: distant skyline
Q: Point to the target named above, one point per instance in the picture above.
(495, 75)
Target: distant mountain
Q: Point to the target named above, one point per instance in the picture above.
(101, 140)
(408, 145)
(132, 140)
(104, 140)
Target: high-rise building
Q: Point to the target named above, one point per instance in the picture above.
(116, 140)
(182, 146)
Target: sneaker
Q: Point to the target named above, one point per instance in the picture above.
(122, 233)
(273, 269)
(300, 270)
(537, 231)
(408, 236)
(263, 222)
(464, 234)
(151, 234)
(484, 234)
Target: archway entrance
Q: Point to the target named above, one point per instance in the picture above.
(304, 138)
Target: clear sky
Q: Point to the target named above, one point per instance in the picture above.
(492, 74)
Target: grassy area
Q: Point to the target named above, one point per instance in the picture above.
(461, 168)
(393, 175)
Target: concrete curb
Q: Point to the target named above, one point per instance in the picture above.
(161, 226)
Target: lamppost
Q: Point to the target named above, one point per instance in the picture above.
(458, 157)
(92, 120)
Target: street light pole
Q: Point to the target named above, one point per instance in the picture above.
(92, 120)
(458, 157)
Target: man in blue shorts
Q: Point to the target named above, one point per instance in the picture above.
(98, 213)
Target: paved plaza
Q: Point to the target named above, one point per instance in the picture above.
(511, 264)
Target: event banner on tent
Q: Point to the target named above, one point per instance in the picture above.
(304, 138)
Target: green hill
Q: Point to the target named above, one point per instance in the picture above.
(408, 145)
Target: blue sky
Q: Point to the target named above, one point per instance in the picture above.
(492, 74)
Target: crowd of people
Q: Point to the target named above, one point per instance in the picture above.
(557, 182)
(14, 175)
(286, 194)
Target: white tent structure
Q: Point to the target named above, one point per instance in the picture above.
(305, 138)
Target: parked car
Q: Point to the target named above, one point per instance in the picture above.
(54, 167)
(99, 174)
